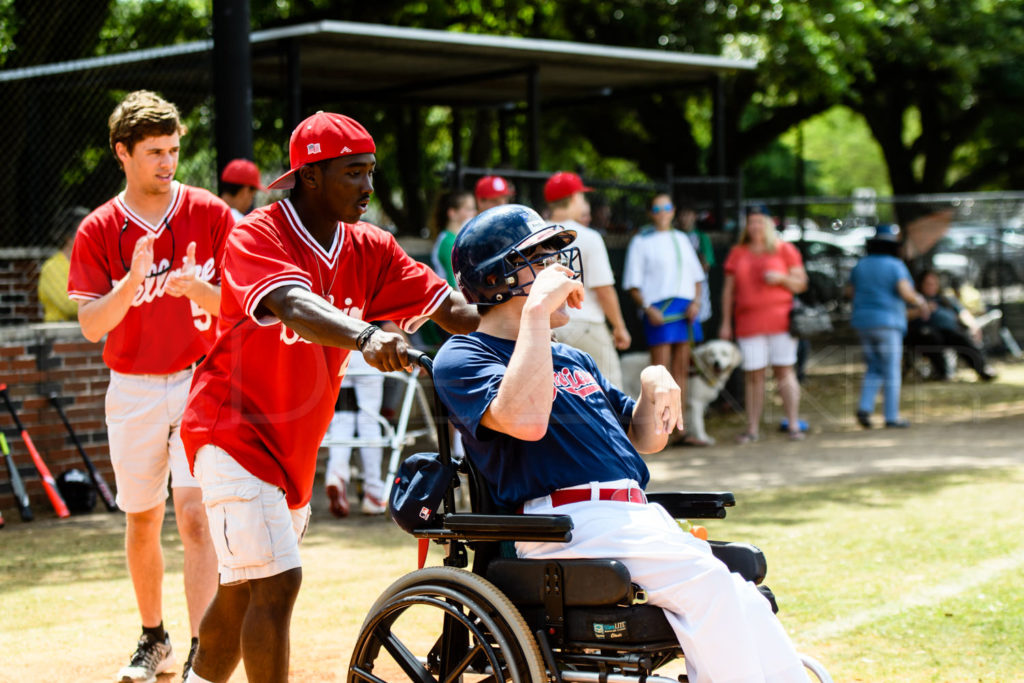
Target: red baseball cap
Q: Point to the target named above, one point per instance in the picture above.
(323, 136)
(492, 187)
(242, 172)
(563, 184)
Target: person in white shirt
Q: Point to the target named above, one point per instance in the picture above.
(664, 277)
(586, 329)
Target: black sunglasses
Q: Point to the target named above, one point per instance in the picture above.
(128, 267)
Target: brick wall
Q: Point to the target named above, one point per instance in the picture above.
(19, 280)
(36, 359)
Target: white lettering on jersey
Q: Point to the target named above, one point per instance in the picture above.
(153, 287)
(289, 336)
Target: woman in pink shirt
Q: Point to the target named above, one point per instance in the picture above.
(762, 273)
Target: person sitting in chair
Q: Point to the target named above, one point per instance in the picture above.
(551, 435)
(949, 325)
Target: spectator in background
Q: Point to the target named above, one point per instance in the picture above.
(664, 277)
(586, 329)
(492, 190)
(881, 286)
(585, 216)
(686, 217)
(239, 183)
(53, 275)
(453, 209)
(762, 273)
(948, 324)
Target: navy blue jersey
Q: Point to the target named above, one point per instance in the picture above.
(586, 439)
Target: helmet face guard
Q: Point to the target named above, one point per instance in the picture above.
(538, 257)
(494, 247)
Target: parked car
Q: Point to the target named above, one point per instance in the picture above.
(995, 258)
(828, 259)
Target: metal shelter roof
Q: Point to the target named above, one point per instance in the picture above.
(348, 60)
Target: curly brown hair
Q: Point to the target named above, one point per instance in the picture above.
(142, 114)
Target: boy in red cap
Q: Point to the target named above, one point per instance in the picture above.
(491, 191)
(301, 278)
(239, 183)
(587, 329)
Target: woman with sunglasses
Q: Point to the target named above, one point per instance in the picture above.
(664, 277)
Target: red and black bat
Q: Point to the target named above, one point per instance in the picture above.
(97, 478)
(49, 485)
(17, 485)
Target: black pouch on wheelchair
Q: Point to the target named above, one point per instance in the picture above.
(806, 320)
(419, 486)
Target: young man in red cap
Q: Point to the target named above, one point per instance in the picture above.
(239, 183)
(145, 269)
(586, 329)
(492, 190)
(302, 278)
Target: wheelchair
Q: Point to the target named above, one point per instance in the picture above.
(527, 621)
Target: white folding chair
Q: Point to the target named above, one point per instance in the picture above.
(395, 437)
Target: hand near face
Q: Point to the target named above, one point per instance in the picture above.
(554, 287)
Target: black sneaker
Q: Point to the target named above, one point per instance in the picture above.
(150, 658)
(191, 656)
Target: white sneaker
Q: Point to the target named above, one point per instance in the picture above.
(373, 506)
(149, 659)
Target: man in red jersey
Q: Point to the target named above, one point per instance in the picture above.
(301, 278)
(145, 269)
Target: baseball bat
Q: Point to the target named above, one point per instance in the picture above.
(17, 485)
(49, 485)
(97, 478)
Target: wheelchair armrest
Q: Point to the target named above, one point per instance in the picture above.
(477, 527)
(694, 504)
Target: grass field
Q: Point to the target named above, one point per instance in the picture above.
(908, 577)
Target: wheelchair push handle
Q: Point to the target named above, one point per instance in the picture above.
(421, 359)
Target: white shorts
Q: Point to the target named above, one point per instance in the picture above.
(143, 430)
(777, 350)
(254, 532)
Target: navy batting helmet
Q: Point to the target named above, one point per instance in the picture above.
(493, 247)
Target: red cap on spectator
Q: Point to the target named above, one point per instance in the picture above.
(563, 184)
(242, 172)
(323, 136)
(492, 187)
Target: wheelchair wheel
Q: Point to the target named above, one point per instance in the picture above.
(445, 624)
(816, 668)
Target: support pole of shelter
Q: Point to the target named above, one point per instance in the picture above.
(232, 81)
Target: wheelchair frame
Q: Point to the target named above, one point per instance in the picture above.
(527, 621)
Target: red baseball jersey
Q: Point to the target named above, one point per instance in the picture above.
(160, 334)
(266, 395)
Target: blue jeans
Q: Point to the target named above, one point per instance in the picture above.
(883, 352)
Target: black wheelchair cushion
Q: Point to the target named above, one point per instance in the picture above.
(585, 582)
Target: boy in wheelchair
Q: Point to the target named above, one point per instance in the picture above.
(550, 435)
